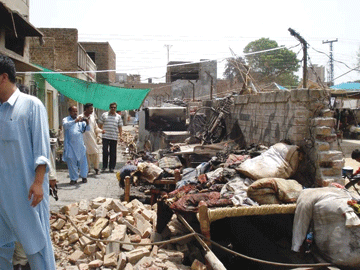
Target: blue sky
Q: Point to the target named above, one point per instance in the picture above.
(139, 30)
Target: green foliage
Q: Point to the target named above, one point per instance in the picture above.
(272, 66)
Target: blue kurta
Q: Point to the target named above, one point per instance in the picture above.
(24, 144)
(74, 148)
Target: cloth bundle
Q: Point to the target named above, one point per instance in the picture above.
(274, 191)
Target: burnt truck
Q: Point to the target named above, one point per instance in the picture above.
(159, 127)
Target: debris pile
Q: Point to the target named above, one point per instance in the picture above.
(106, 233)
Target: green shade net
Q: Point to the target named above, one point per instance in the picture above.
(98, 94)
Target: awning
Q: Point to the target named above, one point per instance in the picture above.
(100, 95)
(12, 20)
(346, 94)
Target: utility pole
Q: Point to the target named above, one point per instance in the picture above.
(304, 45)
(168, 51)
(212, 85)
(331, 60)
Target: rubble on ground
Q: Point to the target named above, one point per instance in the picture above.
(111, 219)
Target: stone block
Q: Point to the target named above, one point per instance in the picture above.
(117, 206)
(146, 241)
(71, 209)
(101, 246)
(59, 224)
(327, 113)
(324, 121)
(322, 146)
(146, 214)
(127, 247)
(107, 231)
(84, 206)
(141, 223)
(76, 256)
(71, 267)
(135, 255)
(83, 266)
(323, 131)
(129, 266)
(330, 138)
(329, 156)
(72, 238)
(253, 98)
(99, 255)
(243, 99)
(135, 238)
(95, 264)
(90, 249)
(338, 164)
(101, 211)
(110, 260)
(95, 203)
(171, 255)
(121, 261)
(99, 225)
(85, 241)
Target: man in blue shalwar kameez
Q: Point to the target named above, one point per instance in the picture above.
(74, 148)
(24, 185)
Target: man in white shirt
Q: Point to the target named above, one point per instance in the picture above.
(92, 148)
(111, 123)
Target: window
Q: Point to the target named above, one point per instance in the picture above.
(92, 55)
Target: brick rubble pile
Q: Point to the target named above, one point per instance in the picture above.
(111, 219)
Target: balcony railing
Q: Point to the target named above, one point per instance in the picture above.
(86, 63)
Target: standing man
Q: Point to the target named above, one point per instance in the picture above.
(111, 123)
(74, 147)
(92, 149)
(24, 184)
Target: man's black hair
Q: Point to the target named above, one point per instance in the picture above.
(88, 105)
(114, 103)
(355, 154)
(70, 108)
(7, 66)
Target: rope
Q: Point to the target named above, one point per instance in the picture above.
(178, 239)
(264, 261)
(174, 240)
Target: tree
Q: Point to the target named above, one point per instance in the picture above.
(234, 69)
(272, 66)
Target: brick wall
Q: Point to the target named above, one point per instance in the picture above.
(301, 116)
(60, 50)
(105, 59)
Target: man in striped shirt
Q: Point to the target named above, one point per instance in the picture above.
(111, 124)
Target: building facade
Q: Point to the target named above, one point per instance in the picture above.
(105, 59)
(192, 80)
(15, 31)
(61, 51)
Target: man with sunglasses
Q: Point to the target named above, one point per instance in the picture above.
(111, 124)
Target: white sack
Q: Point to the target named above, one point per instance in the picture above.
(327, 207)
(280, 161)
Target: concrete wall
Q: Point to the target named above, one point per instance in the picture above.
(21, 6)
(300, 116)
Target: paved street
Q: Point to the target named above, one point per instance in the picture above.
(103, 185)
